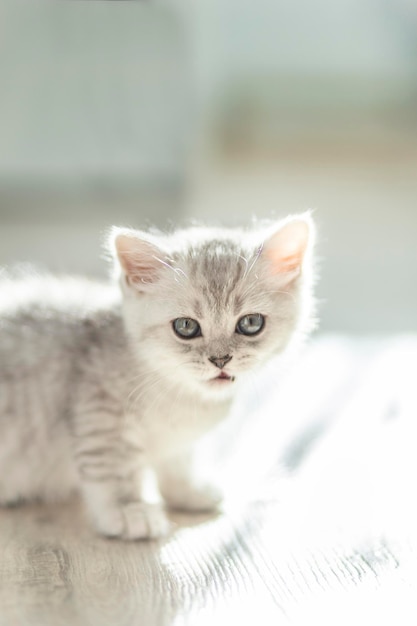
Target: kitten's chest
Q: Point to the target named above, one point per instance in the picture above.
(173, 423)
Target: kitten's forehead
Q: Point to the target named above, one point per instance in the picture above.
(216, 268)
(217, 274)
(211, 259)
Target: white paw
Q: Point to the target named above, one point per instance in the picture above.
(135, 520)
(193, 498)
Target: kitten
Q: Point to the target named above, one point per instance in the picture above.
(100, 382)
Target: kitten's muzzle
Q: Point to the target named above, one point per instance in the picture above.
(220, 361)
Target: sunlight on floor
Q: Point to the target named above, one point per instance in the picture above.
(333, 522)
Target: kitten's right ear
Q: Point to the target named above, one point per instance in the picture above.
(139, 258)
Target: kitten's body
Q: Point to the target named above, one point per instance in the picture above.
(95, 386)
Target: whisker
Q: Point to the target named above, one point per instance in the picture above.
(257, 255)
(177, 270)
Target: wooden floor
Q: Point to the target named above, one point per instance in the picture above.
(319, 525)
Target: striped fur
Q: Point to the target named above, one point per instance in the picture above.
(95, 387)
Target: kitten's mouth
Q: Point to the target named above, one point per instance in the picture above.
(223, 378)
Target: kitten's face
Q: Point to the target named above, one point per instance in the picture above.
(204, 307)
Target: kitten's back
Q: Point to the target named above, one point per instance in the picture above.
(41, 315)
(44, 324)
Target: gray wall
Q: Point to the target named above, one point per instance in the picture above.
(96, 112)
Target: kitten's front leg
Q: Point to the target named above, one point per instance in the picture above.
(183, 489)
(111, 470)
(130, 519)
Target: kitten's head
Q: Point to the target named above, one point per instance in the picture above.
(205, 306)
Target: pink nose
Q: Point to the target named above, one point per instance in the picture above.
(220, 361)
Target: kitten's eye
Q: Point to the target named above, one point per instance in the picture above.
(251, 324)
(186, 327)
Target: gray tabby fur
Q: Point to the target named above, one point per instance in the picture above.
(95, 386)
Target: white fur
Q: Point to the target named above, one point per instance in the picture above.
(95, 386)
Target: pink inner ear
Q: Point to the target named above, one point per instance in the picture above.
(138, 258)
(286, 248)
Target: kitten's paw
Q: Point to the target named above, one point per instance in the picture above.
(144, 521)
(134, 520)
(193, 498)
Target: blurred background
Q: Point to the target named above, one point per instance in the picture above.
(162, 112)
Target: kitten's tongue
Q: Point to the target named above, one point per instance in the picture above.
(224, 376)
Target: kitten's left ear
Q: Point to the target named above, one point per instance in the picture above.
(286, 248)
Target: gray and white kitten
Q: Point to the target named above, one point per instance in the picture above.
(100, 382)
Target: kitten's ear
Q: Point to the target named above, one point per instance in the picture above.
(140, 259)
(286, 248)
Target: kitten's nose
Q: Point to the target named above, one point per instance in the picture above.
(220, 361)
